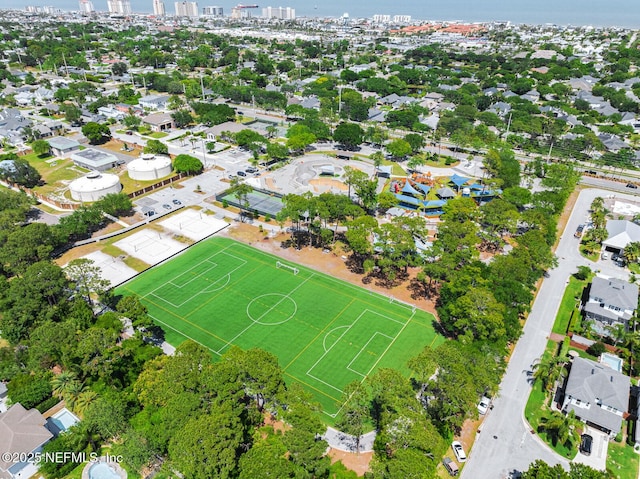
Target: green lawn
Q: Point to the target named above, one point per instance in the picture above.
(158, 134)
(536, 410)
(396, 169)
(326, 333)
(622, 461)
(570, 305)
(54, 172)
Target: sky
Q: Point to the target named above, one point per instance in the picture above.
(623, 13)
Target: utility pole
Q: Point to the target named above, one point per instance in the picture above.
(508, 126)
(66, 68)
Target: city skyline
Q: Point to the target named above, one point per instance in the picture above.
(570, 12)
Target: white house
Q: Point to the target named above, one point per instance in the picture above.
(597, 394)
(611, 301)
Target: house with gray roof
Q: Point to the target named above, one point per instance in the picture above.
(97, 160)
(610, 302)
(612, 143)
(159, 122)
(62, 147)
(154, 102)
(21, 432)
(597, 394)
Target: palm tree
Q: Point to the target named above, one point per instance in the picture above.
(73, 392)
(271, 131)
(632, 252)
(548, 369)
(562, 427)
(61, 383)
(84, 400)
(597, 204)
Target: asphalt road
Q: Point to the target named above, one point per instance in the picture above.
(506, 443)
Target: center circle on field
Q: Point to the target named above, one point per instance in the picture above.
(271, 309)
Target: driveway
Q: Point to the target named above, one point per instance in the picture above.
(598, 457)
(506, 442)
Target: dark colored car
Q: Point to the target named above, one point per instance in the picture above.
(176, 202)
(150, 213)
(585, 444)
(633, 186)
(241, 173)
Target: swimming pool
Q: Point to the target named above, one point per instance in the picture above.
(64, 419)
(102, 470)
(611, 360)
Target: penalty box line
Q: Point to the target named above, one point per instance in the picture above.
(191, 268)
(201, 291)
(327, 351)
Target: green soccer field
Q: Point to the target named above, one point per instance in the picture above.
(325, 332)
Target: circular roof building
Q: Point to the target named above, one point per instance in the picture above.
(94, 186)
(149, 167)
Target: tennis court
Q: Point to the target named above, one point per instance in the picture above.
(325, 332)
(258, 201)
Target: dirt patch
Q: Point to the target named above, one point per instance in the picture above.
(78, 252)
(330, 263)
(359, 463)
(470, 428)
(116, 147)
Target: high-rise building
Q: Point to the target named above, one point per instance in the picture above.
(213, 11)
(381, 18)
(401, 18)
(158, 8)
(119, 7)
(280, 13)
(86, 6)
(186, 9)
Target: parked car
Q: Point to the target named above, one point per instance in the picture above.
(241, 173)
(176, 202)
(150, 213)
(450, 466)
(633, 186)
(585, 444)
(484, 404)
(252, 169)
(605, 255)
(166, 206)
(458, 450)
(579, 231)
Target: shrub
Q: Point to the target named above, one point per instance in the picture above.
(596, 349)
(225, 204)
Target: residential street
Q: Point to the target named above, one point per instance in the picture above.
(506, 443)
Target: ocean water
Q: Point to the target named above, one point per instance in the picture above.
(622, 13)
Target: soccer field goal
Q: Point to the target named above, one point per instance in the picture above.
(280, 264)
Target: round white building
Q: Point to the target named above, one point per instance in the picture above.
(94, 186)
(149, 167)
